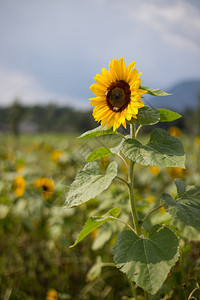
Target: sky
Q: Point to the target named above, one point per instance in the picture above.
(51, 50)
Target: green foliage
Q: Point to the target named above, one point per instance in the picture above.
(98, 153)
(147, 116)
(154, 92)
(36, 234)
(147, 261)
(186, 208)
(94, 222)
(161, 150)
(89, 183)
(98, 131)
(168, 115)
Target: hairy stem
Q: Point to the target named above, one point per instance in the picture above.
(123, 180)
(131, 191)
(144, 219)
(111, 217)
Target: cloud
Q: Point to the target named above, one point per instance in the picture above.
(16, 84)
(177, 22)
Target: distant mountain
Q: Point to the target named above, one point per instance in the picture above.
(184, 95)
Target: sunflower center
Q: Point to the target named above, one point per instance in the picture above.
(118, 95)
(45, 188)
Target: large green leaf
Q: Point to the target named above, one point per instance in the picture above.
(154, 92)
(98, 131)
(94, 222)
(147, 116)
(89, 183)
(168, 115)
(186, 208)
(147, 261)
(99, 153)
(161, 150)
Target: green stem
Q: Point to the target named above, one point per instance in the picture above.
(123, 180)
(120, 135)
(136, 133)
(111, 217)
(133, 289)
(131, 191)
(146, 295)
(122, 159)
(144, 219)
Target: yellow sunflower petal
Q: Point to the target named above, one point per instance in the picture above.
(118, 95)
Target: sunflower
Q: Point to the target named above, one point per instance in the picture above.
(174, 131)
(52, 295)
(55, 155)
(46, 185)
(19, 186)
(118, 94)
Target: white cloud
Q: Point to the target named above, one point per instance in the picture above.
(16, 84)
(177, 22)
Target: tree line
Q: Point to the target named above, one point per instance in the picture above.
(18, 118)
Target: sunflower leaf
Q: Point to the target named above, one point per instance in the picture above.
(98, 131)
(94, 222)
(154, 92)
(98, 153)
(147, 261)
(161, 150)
(89, 183)
(147, 116)
(168, 115)
(187, 207)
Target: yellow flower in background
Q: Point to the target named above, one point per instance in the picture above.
(55, 155)
(174, 131)
(154, 170)
(150, 199)
(197, 141)
(52, 295)
(162, 210)
(46, 185)
(118, 95)
(175, 172)
(19, 185)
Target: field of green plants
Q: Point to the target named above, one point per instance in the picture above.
(36, 231)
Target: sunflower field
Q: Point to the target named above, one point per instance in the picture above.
(36, 231)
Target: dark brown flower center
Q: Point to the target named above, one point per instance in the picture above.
(118, 95)
(45, 188)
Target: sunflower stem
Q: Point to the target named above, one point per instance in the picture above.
(136, 220)
(133, 288)
(146, 295)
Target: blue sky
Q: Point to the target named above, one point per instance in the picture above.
(50, 50)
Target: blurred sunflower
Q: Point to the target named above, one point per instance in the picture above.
(197, 141)
(52, 295)
(150, 199)
(174, 131)
(118, 94)
(175, 172)
(46, 185)
(55, 155)
(19, 185)
(154, 170)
